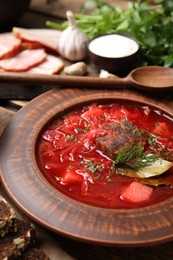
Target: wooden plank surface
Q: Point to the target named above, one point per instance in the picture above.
(59, 7)
(39, 12)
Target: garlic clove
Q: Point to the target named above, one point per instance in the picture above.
(106, 74)
(77, 69)
(73, 42)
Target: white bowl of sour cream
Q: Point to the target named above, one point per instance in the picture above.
(113, 52)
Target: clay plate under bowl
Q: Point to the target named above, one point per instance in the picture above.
(26, 186)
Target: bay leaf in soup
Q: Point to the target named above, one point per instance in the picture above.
(163, 179)
(156, 168)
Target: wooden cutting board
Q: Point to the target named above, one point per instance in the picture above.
(59, 7)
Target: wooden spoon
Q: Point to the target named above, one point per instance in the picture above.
(147, 77)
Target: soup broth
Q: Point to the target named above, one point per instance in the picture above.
(93, 154)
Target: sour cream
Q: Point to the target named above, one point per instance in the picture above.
(113, 46)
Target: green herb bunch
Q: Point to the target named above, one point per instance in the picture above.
(150, 24)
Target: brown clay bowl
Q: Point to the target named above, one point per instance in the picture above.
(27, 187)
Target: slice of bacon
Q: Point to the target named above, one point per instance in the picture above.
(26, 45)
(24, 60)
(46, 37)
(50, 66)
(9, 45)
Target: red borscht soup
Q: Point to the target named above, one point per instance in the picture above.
(109, 155)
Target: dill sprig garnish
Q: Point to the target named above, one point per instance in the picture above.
(70, 138)
(135, 157)
(93, 167)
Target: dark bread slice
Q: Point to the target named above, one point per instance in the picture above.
(16, 242)
(17, 237)
(7, 216)
(34, 254)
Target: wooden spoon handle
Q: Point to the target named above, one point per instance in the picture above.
(62, 80)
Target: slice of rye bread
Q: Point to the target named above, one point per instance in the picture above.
(15, 243)
(33, 254)
(7, 216)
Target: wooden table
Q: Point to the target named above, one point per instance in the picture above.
(59, 247)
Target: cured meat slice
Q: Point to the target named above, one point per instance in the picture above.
(47, 37)
(24, 60)
(25, 45)
(50, 66)
(9, 44)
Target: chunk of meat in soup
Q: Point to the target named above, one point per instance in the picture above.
(117, 136)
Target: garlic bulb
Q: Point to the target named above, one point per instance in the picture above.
(73, 42)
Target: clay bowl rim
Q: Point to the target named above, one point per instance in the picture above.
(25, 184)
